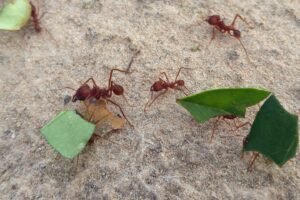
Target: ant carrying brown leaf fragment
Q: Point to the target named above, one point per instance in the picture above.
(36, 21)
(218, 24)
(85, 92)
(164, 85)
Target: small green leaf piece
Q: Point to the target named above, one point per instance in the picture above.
(220, 102)
(14, 15)
(68, 133)
(274, 133)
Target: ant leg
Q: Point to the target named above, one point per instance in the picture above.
(156, 98)
(120, 110)
(213, 36)
(187, 89)
(241, 18)
(77, 159)
(252, 160)
(178, 73)
(67, 88)
(224, 119)
(125, 98)
(148, 101)
(110, 75)
(165, 76)
(241, 125)
(181, 90)
(245, 51)
(214, 128)
(137, 52)
(91, 79)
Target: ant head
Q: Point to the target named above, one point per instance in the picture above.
(117, 89)
(82, 93)
(180, 82)
(157, 86)
(237, 33)
(213, 20)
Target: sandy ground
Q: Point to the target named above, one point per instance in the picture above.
(167, 155)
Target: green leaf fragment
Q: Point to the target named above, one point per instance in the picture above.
(274, 133)
(68, 133)
(15, 14)
(220, 102)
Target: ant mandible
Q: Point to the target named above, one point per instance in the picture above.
(85, 92)
(219, 24)
(224, 118)
(165, 85)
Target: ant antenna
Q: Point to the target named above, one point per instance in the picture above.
(245, 51)
(110, 75)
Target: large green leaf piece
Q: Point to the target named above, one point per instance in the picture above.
(220, 102)
(274, 132)
(14, 14)
(68, 133)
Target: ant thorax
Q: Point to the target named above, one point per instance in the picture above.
(102, 92)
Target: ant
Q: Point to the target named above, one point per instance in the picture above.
(165, 85)
(85, 92)
(224, 118)
(35, 18)
(219, 24)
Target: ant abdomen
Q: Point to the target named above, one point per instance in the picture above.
(117, 89)
(82, 93)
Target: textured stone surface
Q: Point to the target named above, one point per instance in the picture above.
(167, 155)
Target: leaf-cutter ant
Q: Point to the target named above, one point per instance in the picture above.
(85, 92)
(218, 23)
(165, 85)
(35, 18)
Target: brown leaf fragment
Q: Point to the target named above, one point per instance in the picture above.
(98, 113)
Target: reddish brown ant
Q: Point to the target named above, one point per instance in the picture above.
(35, 18)
(85, 92)
(219, 24)
(224, 118)
(165, 85)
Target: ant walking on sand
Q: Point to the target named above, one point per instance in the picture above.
(35, 18)
(85, 92)
(165, 85)
(219, 24)
(225, 118)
